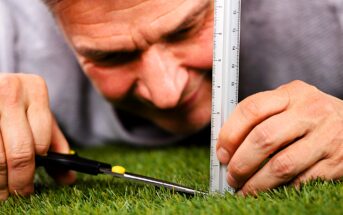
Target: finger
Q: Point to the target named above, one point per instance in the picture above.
(250, 112)
(19, 148)
(17, 139)
(330, 168)
(58, 141)
(60, 144)
(38, 113)
(266, 138)
(319, 170)
(326, 170)
(3, 172)
(285, 165)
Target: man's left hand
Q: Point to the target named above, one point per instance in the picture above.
(297, 126)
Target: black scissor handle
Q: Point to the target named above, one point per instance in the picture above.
(70, 162)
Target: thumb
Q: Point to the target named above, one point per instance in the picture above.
(60, 144)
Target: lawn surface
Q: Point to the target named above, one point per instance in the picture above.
(188, 165)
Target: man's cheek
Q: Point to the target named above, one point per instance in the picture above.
(112, 84)
(201, 55)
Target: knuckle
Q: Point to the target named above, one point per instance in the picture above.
(283, 167)
(332, 148)
(249, 108)
(228, 140)
(262, 138)
(322, 107)
(298, 86)
(320, 103)
(38, 81)
(40, 88)
(42, 148)
(298, 83)
(20, 160)
(237, 169)
(224, 139)
(8, 80)
(10, 89)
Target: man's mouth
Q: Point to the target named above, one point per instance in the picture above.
(189, 100)
(190, 97)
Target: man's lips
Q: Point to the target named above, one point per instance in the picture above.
(189, 100)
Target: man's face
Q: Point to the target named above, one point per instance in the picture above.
(150, 57)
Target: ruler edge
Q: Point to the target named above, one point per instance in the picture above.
(213, 156)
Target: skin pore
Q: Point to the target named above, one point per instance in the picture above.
(150, 58)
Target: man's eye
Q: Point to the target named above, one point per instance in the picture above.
(119, 58)
(180, 34)
(184, 31)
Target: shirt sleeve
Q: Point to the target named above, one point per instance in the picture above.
(7, 38)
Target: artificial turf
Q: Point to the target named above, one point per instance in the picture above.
(188, 165)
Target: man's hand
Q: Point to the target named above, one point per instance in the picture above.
(300, 127)
(27, 127)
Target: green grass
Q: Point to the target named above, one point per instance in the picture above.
(188, 165)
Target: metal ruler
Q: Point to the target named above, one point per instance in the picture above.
(225, 80)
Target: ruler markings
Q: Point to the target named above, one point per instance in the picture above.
(225, 80)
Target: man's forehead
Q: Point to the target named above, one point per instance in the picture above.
(89, 20)
(79, 7)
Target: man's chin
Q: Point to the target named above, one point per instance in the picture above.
(182, 128)
(186, 124)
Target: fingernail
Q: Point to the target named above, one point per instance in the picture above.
(223, 155)
(231, 181)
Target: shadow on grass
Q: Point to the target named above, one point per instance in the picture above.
(117, 187)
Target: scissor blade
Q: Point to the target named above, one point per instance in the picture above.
(155, 182)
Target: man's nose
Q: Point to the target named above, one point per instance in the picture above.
(162, 78)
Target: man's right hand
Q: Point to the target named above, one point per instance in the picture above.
(27, 127)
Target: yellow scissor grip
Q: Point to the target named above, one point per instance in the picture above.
(118, 169)
(72, 152)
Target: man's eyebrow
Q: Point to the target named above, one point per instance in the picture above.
(191, 19)
(187, 22)
(96, 54)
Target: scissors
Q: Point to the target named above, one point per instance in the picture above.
(74, 162)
